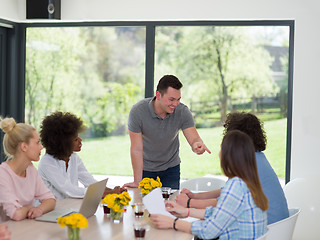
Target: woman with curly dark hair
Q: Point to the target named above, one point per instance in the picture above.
(253, 127)
(61, 168)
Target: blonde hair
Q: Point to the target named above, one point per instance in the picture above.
(15, 133)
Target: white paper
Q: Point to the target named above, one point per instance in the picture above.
(154, 202)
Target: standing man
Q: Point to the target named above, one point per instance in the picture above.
(154, 125)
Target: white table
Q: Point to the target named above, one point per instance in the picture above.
(100, 226)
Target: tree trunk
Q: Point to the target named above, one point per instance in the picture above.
(224, 99)
(254, 104)
(224, 106)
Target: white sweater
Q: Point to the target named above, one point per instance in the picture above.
(64, 183)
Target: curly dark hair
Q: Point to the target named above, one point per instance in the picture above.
(58, 131)
(249, 124)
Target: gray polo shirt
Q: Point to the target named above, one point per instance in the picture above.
(160, 136)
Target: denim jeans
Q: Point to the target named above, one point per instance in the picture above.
(168, 178)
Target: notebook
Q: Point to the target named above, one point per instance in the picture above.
(88, 207)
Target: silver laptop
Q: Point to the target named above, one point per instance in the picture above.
(88, 207)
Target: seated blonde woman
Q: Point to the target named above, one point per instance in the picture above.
(19, 179)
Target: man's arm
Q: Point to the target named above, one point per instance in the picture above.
(194, 140)
(136, 152)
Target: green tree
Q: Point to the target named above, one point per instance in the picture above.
(116, 104)
(49, 56)
(221, 58)
(108, 67)
(71, 69)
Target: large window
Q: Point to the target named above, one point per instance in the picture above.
(93, 72)
(225, 69)
(99, 72)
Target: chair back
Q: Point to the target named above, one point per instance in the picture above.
(303, 193)
(203, 184)
(283, 230)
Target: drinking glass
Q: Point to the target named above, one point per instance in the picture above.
(139, 228)
(166, 192)
(139, 209)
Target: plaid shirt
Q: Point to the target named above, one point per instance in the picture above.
(236, 216)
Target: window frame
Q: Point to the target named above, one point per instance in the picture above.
(15, 77)
(12, 73)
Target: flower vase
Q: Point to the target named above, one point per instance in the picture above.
(116, 217)
(73, 233)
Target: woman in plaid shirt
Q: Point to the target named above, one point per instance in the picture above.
(241, 209)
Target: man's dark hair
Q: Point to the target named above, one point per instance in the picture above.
(249, 124)
(58, 131)
(168, 81)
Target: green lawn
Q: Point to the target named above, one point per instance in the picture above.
(111, 155)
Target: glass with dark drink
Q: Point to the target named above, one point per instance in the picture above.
(139, 209)
(106, 210)
(139, 232)
(139, 228)
(139, 214)
(166, 192)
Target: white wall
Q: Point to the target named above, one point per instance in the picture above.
(8, 9)
(306, 84)
(305, 160)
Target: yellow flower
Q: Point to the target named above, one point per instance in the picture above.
(145, 180)
(148, 184)
(154, 184)
(109, 199)
(117, 208)
(158, 179)
(75, 220)
(143, 191)
(83, 223)
(126, 195)
(117, 201)
(61, 221)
